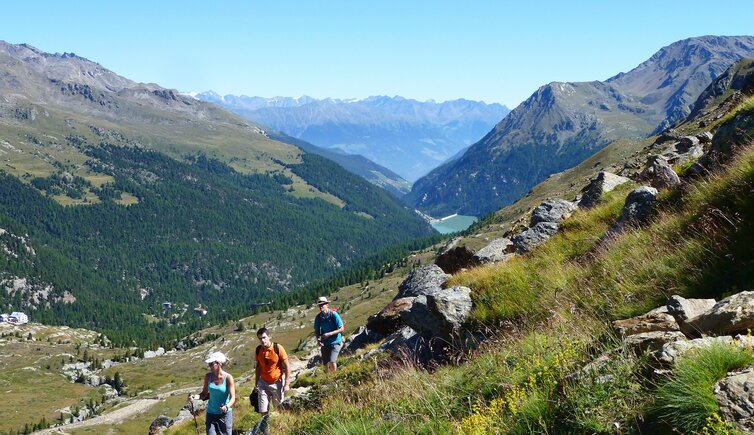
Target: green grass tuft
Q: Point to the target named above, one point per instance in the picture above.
(686, 400)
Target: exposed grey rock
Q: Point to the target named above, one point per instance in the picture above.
(730, 315)
(439, 313)
(422, 281)
(388, 319)
(670, 352)
(183, 415)
(394, 340)
(361, 338)
(659, 173)
(690, 141)
(456, 259)
(649, 322)
(651, 341)
(552, 210)
(705, 137)
(697, 169)
(683, 309)
(534, 236)
(604, 182)
(160, 423)
(735, 396)
(498, 250)
(639, 205)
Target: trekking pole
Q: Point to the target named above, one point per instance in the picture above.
(193, 412)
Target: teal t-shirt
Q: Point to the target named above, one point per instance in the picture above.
(218, 395)
(328, 323)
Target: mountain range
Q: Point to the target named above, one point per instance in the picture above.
(117, 196)
(562, 124)
(408, 137)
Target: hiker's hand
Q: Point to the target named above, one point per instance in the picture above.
(286, 388)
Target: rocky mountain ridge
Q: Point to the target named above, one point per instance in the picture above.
(568, 122)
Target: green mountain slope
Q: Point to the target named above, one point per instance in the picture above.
(127, 196)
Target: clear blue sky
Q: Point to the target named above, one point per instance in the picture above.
(496, 51)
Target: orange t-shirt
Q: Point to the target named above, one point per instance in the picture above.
(269, 363)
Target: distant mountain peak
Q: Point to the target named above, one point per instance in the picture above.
(407, 136)
(561, 124)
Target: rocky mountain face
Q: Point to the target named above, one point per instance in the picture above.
(562, 124)
(407, 136)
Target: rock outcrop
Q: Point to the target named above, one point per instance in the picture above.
(498, 250)
(659, 173)
(439, 313)
(604, 182)
(655, 320)
(638, 207)
(735, 396)
(388, 320)
(534, 236)
(421, 281)
(552, 210)
(731, 315)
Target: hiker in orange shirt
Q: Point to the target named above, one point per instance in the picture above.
(273, 374)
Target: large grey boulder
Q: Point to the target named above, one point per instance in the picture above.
(730, 315)
(422, 280)
(735, 396)
(534, 236)
(388, 320)
(683, 310)
(393, 341)
(362, 337)
(439, 313)
(552, 210)
(604, 182)
(639, 206)
(651, 341)
(655, 320)
(498, 250)
(659, 173)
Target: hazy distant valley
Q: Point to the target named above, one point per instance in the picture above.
(406, 136)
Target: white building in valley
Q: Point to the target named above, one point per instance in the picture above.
(16, 317)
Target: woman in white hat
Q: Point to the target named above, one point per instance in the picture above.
(220, 389)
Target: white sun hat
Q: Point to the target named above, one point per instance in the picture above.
(216, 356)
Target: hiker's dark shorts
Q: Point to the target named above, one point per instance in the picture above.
(220, 424)
(330, 353)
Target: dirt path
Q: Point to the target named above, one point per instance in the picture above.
(119, 415)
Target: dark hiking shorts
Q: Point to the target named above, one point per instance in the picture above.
(330, 353)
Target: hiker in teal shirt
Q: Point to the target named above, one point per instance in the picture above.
(328, 328)
(220, 389)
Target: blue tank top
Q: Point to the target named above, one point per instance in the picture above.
(218, 395)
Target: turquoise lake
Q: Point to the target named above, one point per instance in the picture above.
(453, 224)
